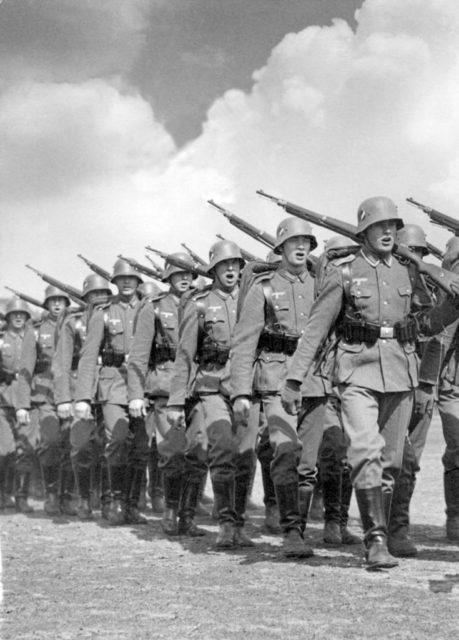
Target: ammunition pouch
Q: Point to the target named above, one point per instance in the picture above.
(212, 353)
(356, 331)
(278, 341)
(42, 364)
(161, 353)
(7, 377)
(111, 358)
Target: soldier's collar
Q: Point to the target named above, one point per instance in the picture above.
(224, 295)
(132, 303)
(292, 277)
(373, 261)
(16, 334)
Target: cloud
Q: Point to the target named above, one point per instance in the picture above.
(333, 117)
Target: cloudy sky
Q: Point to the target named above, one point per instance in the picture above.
(120, 118)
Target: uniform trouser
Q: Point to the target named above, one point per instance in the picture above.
(171, 443)
(17, 440)
(53, 450)
(376, 424)
(414, 445)
(448, 407)
(284, 440)
(310, 430)
(126, 440)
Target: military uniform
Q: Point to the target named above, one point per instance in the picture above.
(35, 393)
(102, 375)
(17, 441)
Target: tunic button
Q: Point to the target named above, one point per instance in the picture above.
(300, 296)
(385, 302)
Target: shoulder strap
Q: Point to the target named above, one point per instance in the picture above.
(346, 271)
(159, 323)
(271, 315)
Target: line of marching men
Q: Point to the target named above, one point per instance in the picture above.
(266, 359)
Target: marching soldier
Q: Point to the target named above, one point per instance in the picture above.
(271, 320)
(151, 362)
(201, 380)
(36, 405)
(83, 433)
(110, 335)
(17, 441)
(375, 364)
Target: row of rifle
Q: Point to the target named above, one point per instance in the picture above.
(155, 271)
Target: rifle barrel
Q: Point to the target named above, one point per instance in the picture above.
(25, 297)
(262, 236)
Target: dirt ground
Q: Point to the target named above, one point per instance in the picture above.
(64, 579)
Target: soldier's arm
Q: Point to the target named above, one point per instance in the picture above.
(26, 369)
(139, 355)
(186, 353)
(62, 363)
(245, 341)
(324, 313)
(87, 366)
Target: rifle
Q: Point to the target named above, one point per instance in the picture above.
(75, 294)
(182, 264)
(333, 224)
(446, 280)
(156, 266)
(96, 269)
(26, 298)
(141, 268)
(438, 218)
(262, 236)
(195, 256)
(248, 257)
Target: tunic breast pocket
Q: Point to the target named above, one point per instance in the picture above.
(405, 296)
(360, 295)
(283, 314)
(116, 333)
(215, 327)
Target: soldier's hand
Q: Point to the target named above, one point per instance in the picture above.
(23, 416)
(423, 398)
(137, 408)
(83, 410)
(291, 397)
(241, 410)
(176, 417)
(64, 410)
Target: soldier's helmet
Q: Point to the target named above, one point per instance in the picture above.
(94, 282)
(412, 235)
(224, 250)
(339, 242)
(170, 269)
(378, 209)
(149, 289)
(54, 292)
(123, 268)
(272, 257)
(15, 304)
(290, 228)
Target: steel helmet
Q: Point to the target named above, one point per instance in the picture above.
(148, 289)
(123, 268)
(54, 292)
(412, 235)
(170, 269)
(224, 250)
(290, 228)
(377, 209)
(452, 252)
(272, 257)
(15, 304)
(339, 242)
(93, 282)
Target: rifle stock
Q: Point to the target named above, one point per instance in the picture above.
(95, 268)
(141, 268)
(182, 264)
(195, 256)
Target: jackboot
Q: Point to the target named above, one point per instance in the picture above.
(67, 485)
(271, 524)
(371, 507)
(134, 487)
(187, 510)
(22, 492)
(316, 510)
(116, 513)
(304, 503)
(291, 522)
(50, 476)
(331, 492)
(7, 500)
(451, 486)
(155, 488)
(399, 542)
(172, 490)
(203, 499)
(224, 505)
(83, 479)
(346, 494)
(242, 487)
(105, 494)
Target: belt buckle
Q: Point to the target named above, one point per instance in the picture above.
(386, 332)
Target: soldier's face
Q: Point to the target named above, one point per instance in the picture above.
(227, 273)
(17, 320)
(380, 237)
(98, 296)
(295, 251)
(180, 282)
(126, 285)
(56, 305)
